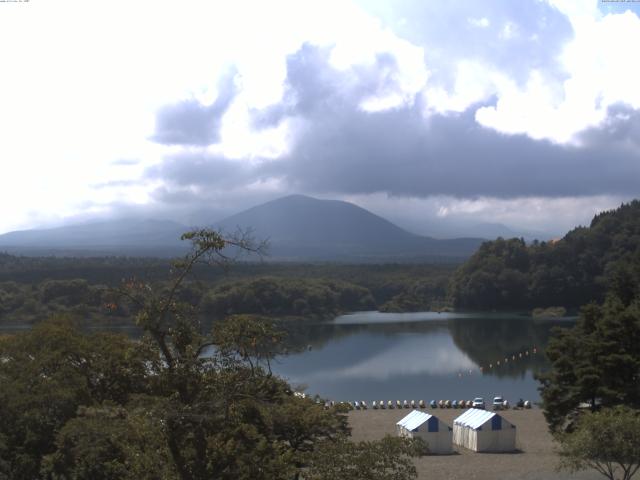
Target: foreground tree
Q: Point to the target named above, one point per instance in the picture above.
(388, 459)
(607, 441)
(596, 363)
(179, 403)
(46, 374)
(110, 443)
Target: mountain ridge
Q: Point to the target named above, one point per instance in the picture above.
(298, 227)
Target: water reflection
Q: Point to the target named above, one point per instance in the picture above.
(375, 356)
(433, 355)
(425, 355)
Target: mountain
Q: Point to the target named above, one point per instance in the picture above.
(297, 228)
(122, 237)
(300, 227)
(454, 228)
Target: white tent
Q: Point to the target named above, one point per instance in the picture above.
(436, 434)
(483, 431)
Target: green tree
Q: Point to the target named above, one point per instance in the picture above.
(579, 268)
(223, 415)
(597, 362)
(46, 374)
(109, 443)
(387, 459)
(607, 441)
(180, 402)
(254, 339)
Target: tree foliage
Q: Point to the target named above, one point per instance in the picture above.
(181, 402)
(34, 288)
(388, 459)
(46, 374)
(597, 362)
(569, 272)
(109, 443)
(607, 441)
(287, 297)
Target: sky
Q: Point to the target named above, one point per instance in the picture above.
(425, 112)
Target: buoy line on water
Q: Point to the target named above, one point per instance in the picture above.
(514, 357)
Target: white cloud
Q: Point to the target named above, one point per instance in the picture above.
(509, 31)
(82, 82)
(600, 73)
(482, 22)
(443, 216)
(474, 82)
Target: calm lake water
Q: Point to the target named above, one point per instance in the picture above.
(379, 356)
(427, 355)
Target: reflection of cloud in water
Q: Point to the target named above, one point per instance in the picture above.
(432, 355)
(365, 318)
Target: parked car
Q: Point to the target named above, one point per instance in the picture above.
(478, 402)
(498, 403)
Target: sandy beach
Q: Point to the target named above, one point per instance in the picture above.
(535, 459)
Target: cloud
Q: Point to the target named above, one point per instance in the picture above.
(341, 148)
(482, 22)
(598, 76)
(620, 130)
(125, 162)
(470, 108)
(190, 122)
(449, 33)
(115, 183)
(431, 166)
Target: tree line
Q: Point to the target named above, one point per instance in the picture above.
(569, 272)
(29, 295)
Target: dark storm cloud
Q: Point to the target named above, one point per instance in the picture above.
(621, 128)
(191, 123)
(341, 148)
(446, 31)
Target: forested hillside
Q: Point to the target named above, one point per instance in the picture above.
(287, 297)
(570, 272)
(34, 288)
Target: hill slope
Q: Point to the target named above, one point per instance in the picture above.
(302, 227)
(569, 272)
(130, 237)
(297, 227)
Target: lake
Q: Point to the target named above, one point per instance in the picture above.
(425, 355)
(428, 355)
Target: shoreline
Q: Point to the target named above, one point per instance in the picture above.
(535, 458)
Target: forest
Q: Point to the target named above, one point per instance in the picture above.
(505, 274)
(101, 405)
(75, 405)
(34, 288)
(569, 272)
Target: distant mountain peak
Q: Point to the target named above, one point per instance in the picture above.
(299, 226)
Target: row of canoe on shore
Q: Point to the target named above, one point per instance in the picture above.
(362, 405)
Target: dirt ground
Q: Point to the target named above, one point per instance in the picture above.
(535, 459)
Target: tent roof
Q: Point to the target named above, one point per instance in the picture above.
(474, 418)
(414, 420)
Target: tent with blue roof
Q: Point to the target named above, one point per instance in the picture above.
(483, 431)
(436, 434)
